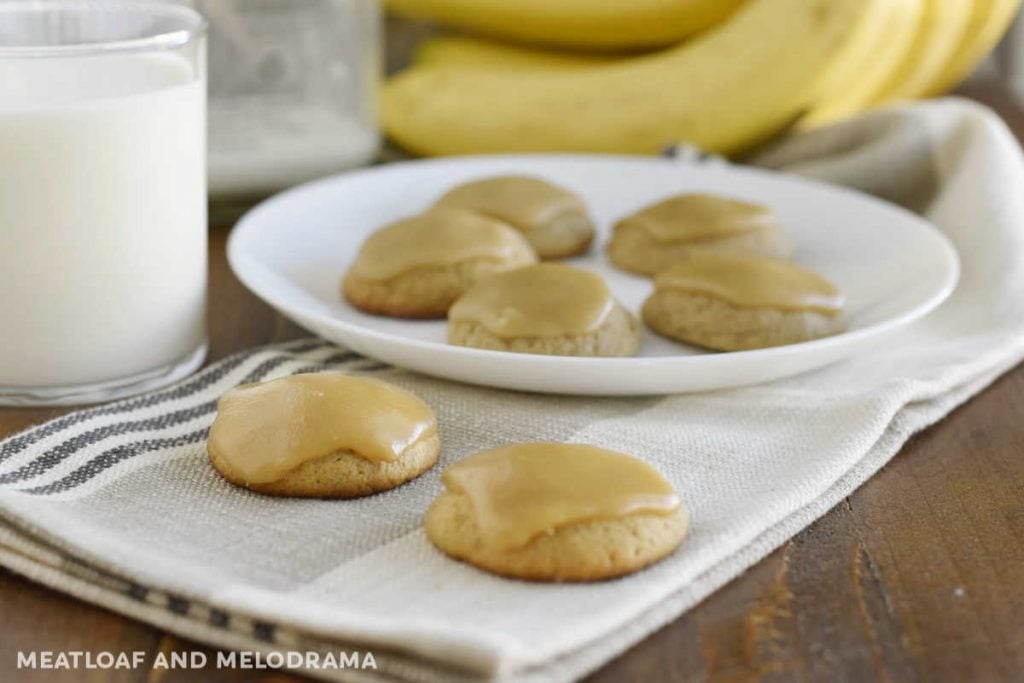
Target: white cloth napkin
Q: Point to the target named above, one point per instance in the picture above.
(118, 505)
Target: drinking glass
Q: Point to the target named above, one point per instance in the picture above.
(102, 198)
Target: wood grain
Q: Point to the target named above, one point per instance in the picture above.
(918, 576)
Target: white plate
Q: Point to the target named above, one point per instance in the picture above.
(893, 267)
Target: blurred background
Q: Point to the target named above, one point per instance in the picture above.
(295, 91)
(1009, 62)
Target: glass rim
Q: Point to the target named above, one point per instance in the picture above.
(194, 28)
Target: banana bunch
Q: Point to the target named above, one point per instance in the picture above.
(726, 74)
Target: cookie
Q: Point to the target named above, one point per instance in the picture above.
(735, 302)
(671, 230)
(556, 512)
(417, 267)
(324, 435)
(553, 220)
(548, 308)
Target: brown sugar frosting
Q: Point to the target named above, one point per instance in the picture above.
(521, 491)
(544, 300)
(692, 217)
(753, 282)
(267, 430)
(439, 237)
(524, 202)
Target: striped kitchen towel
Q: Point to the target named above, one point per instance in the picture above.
(119, 505)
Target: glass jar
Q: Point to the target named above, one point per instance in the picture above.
(292, 90)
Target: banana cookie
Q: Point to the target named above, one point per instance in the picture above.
(556, 512)
(416, 268)
(735, 302)
(552, 219)
(548, 308)
(661, 234)
(324, 435)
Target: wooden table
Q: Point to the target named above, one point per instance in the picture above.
(918, 576)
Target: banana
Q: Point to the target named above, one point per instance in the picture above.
(938, 35)
(989, 21)
(865, 69)
(466, 52)
(731, 87)
(597, 24)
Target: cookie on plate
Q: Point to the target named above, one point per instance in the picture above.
(549, 308)
(556, 512)
(553, 220)
(416, 268)
(324, 435)
(735, 302)
(661, 234)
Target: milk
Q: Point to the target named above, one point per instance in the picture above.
(102, 217)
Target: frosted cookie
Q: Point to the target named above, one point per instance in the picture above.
(549, 308)
(554, 220)
(661, 234)
(417, 267)
(732, 302)
(556, 512)
(322, 435)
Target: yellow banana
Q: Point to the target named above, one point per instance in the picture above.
(864, 71)
(989, 21)
(938, 35)
(723, 91)
(466, 52)
(599, 24)
(855, 75)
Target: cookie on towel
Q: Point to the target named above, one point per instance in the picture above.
(735, 302)
(549, 308)
(556, 512)
(673, 229)
(416, 268)
(553, 219)
(325, 435)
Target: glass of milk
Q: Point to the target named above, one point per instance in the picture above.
(102, 198)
